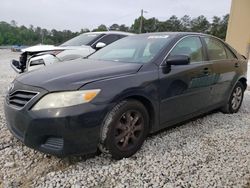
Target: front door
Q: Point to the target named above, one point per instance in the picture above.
(186, 88)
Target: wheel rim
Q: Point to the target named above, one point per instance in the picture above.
(129, 129)
(237, 98)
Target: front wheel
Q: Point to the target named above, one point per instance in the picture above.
(235, 99)
(124, 129)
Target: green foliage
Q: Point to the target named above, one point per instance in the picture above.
(12, 34)
(200, 24)
(218, 27)
(101, 28)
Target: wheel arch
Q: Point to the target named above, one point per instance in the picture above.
(243, 80)
(149, 107)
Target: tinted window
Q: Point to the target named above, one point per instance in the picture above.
(108, 39)
(230, 54)
(83, 39)
(122, 36)
(190, 46)
(134, 49)
(215, 48)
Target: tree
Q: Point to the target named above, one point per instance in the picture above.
(200, 24)
(13, 23)
(174, 24)
(150, 25)
(114, 27)
(31, 27)
(224, 25)
(85, 30)
(136, 25)
(186, 23)
(215, 26)
(124, 28)
(1, 39)
(11, 33)
(219, 26)
(101, 27)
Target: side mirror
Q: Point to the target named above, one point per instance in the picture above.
(16, 65)
(178, 60)
(100, 45)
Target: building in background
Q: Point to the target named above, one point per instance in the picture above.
(238, 32)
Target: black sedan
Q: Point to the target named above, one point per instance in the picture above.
(115, 98)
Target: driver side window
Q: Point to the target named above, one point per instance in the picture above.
(190, 46)
(108, 39)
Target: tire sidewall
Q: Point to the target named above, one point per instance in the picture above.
(110, 122)
(231, 110)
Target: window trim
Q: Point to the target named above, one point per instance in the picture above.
(228, 49)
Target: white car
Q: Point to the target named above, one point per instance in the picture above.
(79, 47)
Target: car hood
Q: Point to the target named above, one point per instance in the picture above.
(45, 48)
(74, 74)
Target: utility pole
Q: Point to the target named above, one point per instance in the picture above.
(141, 21)
(155, 27)
(42, 37)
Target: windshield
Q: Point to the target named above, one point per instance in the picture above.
(134, 49)
(83, 39)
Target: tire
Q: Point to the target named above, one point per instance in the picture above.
(235, 100)
(124, 129)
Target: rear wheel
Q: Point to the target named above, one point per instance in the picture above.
(235, 99)
(125, 129)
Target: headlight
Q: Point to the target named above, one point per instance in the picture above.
(64, 99)
(37, 62)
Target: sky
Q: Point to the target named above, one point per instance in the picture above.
(77, 14)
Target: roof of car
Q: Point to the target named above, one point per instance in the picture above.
(173, 33)
(112, 32)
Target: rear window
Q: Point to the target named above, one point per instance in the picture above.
(215, 48)
(230, 54)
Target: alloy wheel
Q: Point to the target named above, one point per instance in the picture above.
(129, 129)
(237, 98)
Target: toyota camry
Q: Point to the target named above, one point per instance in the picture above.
(125, 91)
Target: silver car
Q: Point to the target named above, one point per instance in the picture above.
(78, 47)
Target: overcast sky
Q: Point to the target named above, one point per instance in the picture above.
(77, 14)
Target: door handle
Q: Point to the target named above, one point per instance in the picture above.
(206, 71)
(236, 65)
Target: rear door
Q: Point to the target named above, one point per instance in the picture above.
(186, 88)
(225, 67)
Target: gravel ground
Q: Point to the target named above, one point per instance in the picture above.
(212, 151)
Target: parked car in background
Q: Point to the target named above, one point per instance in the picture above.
(17, 48)
(81, 46)
(133, 87)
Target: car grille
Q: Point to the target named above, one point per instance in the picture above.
(20, 98)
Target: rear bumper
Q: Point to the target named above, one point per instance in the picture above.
(60, 132)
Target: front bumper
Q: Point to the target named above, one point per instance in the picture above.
(60, 132)
(17, 66)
